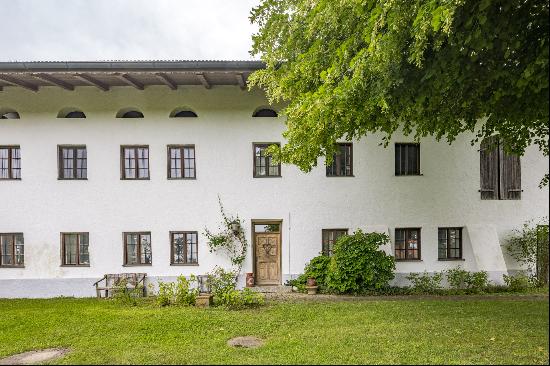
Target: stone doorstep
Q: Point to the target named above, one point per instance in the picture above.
(278, 289)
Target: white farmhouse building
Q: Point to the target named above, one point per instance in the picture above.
(86, 188)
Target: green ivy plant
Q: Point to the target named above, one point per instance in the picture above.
(231, 242)
(529, 245)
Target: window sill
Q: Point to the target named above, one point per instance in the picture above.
(267, 176)
(409, 175)
(72, 178)
(185, 264)
(340, 176)
(10, 179)
(187, 178)
(135, 178)
(8, 266)
(409, 260)
(138, 265)
(74, 265)
(450, 259)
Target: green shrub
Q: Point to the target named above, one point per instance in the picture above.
(460, 279)
(529, 247)
(124, 295)
(517, 283)
(358, 265)
(425, 283)
(457, 278)
(236, 300)
(477, 281)
(166, 292)
(221, 282)
(316, 268)
(184, 294)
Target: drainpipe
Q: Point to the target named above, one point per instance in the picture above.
(289, 271)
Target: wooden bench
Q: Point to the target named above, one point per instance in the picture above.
(112, 282)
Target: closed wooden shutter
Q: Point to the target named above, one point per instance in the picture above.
(510, 176)
(489, 168)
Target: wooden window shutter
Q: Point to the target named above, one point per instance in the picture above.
(489, 168)
(510, 176)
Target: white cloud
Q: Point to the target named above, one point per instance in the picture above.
(77, 30)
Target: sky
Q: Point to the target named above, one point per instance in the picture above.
(81, 30)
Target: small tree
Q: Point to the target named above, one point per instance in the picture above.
(359, 265)
(529, 246)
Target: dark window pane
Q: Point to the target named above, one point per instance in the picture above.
(131, 248)
(145, 247)
(70, 248)
(407, 159)
(19, 250)
(6, 248)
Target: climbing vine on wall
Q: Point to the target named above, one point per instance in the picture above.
(230, 239)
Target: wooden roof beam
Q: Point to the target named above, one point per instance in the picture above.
(240, 80)
(93, 81)
(203, 80)
(54, 80)
(167, 80)
(131, 81)
(14, 81)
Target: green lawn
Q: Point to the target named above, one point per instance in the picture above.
(406, 331)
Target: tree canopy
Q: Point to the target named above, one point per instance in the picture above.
(348, 68)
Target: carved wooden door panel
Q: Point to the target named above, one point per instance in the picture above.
(268, 259)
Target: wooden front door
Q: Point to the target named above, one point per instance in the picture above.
(267, 249)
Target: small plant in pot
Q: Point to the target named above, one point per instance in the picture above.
(311, 286)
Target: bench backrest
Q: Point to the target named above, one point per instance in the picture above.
(132, 279)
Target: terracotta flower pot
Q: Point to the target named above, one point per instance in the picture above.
(249, 279)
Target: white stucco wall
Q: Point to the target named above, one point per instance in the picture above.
(41, 206)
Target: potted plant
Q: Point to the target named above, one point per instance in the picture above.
(311, 286)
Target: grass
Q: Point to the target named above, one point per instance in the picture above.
(487, 331)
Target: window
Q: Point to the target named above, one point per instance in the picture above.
(10, 162)
(407, 159)
(264, 112)
(181, 161)
(135, 162)
(329, 238)
(185, 113)
(184, 247)
(73, 162)
(137, 249)
(407, 244)
(74, 249)
(342, 162)
(263, 164)
(449, 243)
(75, 114)
(12, 251)
(9, 115)
(500, 172)
(130, 114)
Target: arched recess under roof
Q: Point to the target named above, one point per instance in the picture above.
(264, 112)
(129, 113)
(183, 112)
(71, 113)
(8, 113)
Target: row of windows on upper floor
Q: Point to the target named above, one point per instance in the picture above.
(134, 113)
(137, 248)
(134, 161)
(500, 173)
